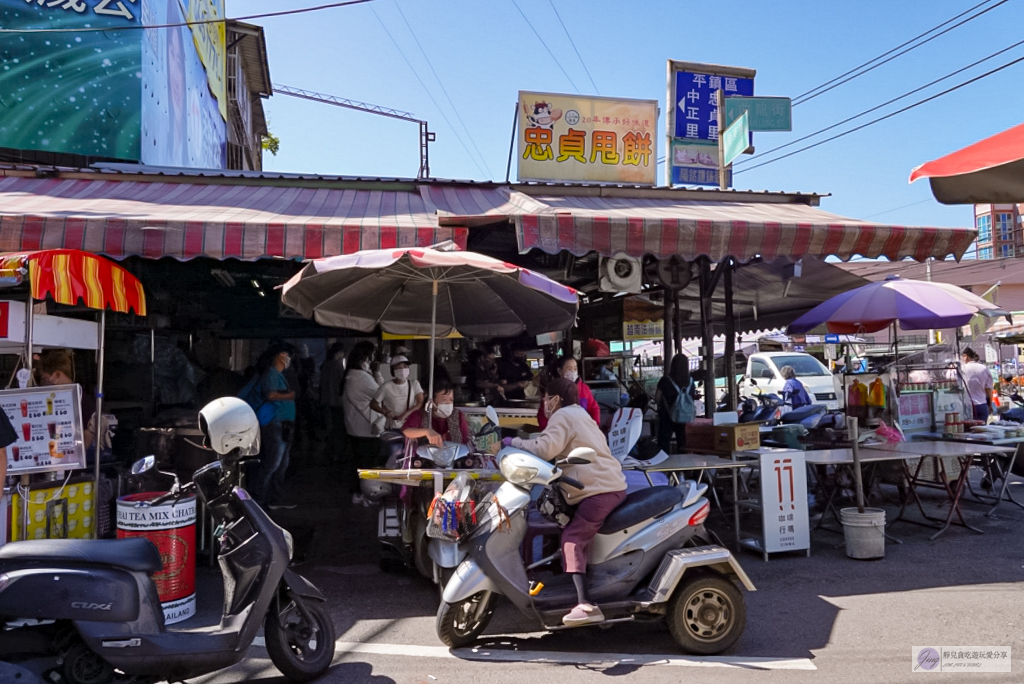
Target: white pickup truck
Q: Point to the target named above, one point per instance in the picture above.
(763, 368)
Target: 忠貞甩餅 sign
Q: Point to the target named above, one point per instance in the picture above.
(587, 139)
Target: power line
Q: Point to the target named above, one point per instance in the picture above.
(444, 90)
(137, 27)
(905, 206)
(530, 24)
(429, 94)
(800, 99)
(886, 103)
(573, 43)
(887, 116)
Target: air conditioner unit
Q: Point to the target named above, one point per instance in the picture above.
(620, 273)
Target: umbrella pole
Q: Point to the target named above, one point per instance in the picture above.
(97, 435)
(433, 334)
(854, 433)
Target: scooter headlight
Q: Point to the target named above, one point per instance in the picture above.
(517, 474)
(290, 542)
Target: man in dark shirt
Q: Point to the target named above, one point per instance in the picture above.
(516, 374)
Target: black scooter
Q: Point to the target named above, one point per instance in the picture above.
(87, 612)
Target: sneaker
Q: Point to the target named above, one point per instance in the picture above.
(357, 500)
(583, 614)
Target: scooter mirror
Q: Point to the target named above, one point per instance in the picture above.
(143, 465)
(492, 415)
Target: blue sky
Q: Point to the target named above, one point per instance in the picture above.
(484, 52)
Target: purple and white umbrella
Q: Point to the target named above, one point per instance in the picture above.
(914, 304)
(424, 291)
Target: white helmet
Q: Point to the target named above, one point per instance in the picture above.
(229, 423)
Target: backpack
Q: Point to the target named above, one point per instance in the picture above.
(682, 409)
(251, 394)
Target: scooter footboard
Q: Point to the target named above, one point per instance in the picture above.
(469, 579)
(678, 561)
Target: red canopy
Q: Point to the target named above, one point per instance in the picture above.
(70, 276)
(989, 171)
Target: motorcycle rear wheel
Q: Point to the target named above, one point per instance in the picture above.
(301, 651)
(706, 614)
(460, 624)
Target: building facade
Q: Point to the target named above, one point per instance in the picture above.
(1000, 230)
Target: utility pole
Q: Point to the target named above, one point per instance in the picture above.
(426, 136)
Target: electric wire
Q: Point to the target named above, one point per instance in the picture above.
(905, 206)
(886, 103)
(137, 27)
(542, 42)
(887, 116)
(822, 89)
(573, 43)
(444, 90)
(427, 90)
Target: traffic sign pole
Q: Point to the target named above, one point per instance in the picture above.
(722, 174)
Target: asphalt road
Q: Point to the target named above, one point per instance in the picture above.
(827, 618)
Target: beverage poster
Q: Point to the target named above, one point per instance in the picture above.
(48, 422)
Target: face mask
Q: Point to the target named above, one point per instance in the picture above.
(550, 406)
(444, 410)
(402, 373)
(366, 366)
(287, 362)
(572, 376)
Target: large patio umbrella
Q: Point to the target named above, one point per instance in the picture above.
(424, 291)
(989, 171)
(914, 304)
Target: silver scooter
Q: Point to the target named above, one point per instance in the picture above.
(649, 561)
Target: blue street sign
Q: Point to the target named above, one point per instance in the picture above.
(831, 339)
(696, 113)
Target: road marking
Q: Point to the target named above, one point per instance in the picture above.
(568, 657)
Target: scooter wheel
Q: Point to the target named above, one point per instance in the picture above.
(300, 650)
(706, 614)
(459, 624)
(84, 666)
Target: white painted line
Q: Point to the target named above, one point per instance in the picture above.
(568, 657)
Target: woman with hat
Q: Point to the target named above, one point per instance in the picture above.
(400, 397)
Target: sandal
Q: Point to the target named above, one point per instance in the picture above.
(583, 614)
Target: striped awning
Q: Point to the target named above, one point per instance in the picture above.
(183, 220)
(717, 229)
(119, 215)
(70, 277)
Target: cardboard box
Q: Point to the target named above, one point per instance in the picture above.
(739, 437)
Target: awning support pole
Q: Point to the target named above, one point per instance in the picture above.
(707, 286)
(429, 404)
(677, 332)
(97, 439)
(730, 336)
(668, 329)
(29, 324)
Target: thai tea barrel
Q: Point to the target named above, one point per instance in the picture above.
(171, 526)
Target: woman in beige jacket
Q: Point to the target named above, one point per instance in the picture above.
(604, 486)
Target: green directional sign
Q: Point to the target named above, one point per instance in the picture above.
(766, 113)
(736, 138)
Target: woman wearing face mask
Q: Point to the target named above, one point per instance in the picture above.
(446, 423)
(361, 424)
(400, 398)
(566, 367)
(604, 485)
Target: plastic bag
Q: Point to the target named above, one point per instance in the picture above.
(889, 434)
(454, 512)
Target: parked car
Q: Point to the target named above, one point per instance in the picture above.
(763, 368)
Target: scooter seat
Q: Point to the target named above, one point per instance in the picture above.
(799, 414)
(639, 506)
(137, 554)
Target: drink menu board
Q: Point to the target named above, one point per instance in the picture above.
(48, 422)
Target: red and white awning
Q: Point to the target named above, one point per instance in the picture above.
(121, 218)
(989, 171)
(244, 219)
